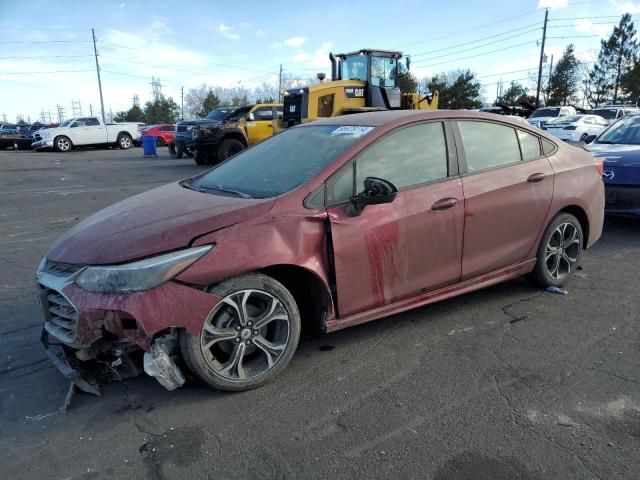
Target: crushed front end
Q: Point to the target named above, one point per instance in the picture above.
(94, 338)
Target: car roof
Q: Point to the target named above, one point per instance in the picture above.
(399, 117)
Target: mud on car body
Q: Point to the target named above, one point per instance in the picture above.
(387, 211)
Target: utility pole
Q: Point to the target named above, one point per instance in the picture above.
(90, 110)
(280, 86)
(60, 113)
(549, 81)
(544, 37)
(181, 103)
(95, 52)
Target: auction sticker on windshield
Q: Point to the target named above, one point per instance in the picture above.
(355, 130)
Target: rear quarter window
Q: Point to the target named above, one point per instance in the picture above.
(529, 145)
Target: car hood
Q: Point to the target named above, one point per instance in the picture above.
(160, 220)
(203, 121)
(621, 162)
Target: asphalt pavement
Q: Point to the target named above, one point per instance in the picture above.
(509, 382)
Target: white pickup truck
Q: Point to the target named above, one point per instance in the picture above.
(86, 131)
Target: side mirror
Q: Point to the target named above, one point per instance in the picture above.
(376, 191)
(251, 117)
(590, 138)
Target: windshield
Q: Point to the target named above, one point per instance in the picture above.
(219, 113)
(606, 113)
(281, 163)
(383, 71)
(545, 112)
(625, 131)
(571, 119)
(354, 68)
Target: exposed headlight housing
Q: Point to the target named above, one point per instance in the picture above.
(141, 275)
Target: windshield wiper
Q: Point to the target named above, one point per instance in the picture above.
(220, 188)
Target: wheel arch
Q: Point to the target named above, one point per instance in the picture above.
(236, 136)
(582, 217)
(310, 292)
(124, 132)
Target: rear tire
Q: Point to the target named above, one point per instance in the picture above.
(175, 149)
(248, 338)
(124, 141)
(228, 148)
(159, 142)
(559, 251)
(583, 138)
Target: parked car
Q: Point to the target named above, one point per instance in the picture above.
(85, 131)
(30, 130)
(541, 116)
(164, 133)
(619, 148)
(8, 129)
(328, 224)
(611, 113)
(576, 128)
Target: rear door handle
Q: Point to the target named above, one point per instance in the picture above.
(444, 204)
(536, 177)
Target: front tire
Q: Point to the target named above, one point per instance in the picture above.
(248, 338)
(228, 148)
(124, 141)
(201, 157)
(559, 251)
(62, 144)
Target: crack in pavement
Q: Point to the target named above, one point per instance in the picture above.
(513, 317)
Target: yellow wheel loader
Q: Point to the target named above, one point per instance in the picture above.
(361, 81)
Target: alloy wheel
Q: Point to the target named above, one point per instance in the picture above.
(63, 144)
(125, 142)
(561, 252)
(245, 335)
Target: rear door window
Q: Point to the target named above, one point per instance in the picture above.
(488, 145)
(529, 145)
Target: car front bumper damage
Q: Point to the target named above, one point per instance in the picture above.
(100, 338)
(45, 143)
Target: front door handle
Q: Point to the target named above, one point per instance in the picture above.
(444, 204)
(536, 177)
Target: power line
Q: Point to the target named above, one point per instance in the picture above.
(47, 41)
(183, 70)
(507, 73)
(481, 39)
(469, 30)
(578, 36)
(50, 71)
(476, 47)
(45, 56)
(476, 55)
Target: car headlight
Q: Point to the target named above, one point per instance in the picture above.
(141, 275)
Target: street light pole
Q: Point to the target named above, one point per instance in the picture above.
(544, 37)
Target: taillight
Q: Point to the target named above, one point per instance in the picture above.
(600, 167)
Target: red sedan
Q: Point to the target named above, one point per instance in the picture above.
(328, 224)
(164, 133)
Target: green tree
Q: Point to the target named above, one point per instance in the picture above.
(134, 114)
(458, 90)
(514, 95)
(210, 102)
(160, 110)
(407, 82)
(614, 61)
(630, 82)
(564, 81)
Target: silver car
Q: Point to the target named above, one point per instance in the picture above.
(576, 128)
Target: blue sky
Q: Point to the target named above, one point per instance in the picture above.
(243, 43)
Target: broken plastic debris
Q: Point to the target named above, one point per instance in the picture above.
(158, 364)
(556, 290)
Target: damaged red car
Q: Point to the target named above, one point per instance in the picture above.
(326, 225)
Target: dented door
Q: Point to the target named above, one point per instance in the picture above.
(397, 250)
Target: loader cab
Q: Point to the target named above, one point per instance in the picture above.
(377, 68)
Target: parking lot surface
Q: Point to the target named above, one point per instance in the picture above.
(509, 382)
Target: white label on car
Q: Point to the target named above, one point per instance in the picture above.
(354, 130)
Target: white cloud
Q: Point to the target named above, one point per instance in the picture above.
(227, 31)
(318, 58)
(586, 26)
(627, 7)
(245, 24)
(295, 41)
(260, 33)
(553, 4)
